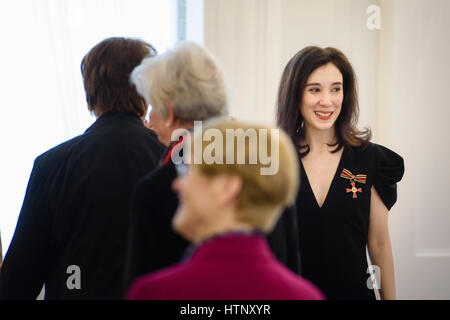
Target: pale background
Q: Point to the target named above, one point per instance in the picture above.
(402, 70)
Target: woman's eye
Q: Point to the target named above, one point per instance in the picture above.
(336, 89)
(314, 90)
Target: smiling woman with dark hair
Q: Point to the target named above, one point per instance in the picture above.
(293, 83)
(347, 183)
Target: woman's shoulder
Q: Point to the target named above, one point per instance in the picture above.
(384, 156)
(364, 153)
(377, 159)
(376, 152)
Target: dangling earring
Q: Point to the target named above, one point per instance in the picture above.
(300, 128)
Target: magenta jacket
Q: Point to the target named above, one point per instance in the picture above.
(228, 267)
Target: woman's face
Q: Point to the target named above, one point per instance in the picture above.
(322, 98)
(197, 203)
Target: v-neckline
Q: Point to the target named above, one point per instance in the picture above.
(336, 173)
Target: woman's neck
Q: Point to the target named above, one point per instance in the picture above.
(319, 140)
(221, 226)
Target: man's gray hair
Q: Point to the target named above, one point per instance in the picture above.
(189, 77)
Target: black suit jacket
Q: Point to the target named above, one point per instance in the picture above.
(73, 225)
(154, 245)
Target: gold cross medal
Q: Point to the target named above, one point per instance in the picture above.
(361, 178)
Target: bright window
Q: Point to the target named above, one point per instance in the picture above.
(42, 97)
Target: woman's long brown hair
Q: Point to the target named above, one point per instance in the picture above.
(290, 94)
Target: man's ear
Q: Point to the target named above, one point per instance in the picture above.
(228, 188)
(171, 119)
(92, 111)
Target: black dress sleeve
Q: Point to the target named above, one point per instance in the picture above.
(389, 171)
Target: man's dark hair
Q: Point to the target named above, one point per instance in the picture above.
(106, 70)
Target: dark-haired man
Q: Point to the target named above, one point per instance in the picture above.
(73, 224)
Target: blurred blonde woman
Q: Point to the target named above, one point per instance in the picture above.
(226, 208)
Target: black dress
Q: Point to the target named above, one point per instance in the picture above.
(333, 237)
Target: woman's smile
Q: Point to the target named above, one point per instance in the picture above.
(323, 115)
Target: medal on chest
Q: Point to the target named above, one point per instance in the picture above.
(361, 178)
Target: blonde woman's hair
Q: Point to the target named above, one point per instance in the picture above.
(263, 196)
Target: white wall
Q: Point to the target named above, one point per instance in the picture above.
(245, 36)
(414, 68)
(254, 39)
(402, 71)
